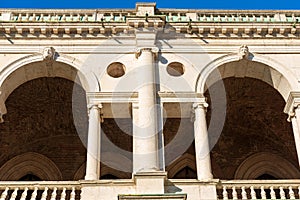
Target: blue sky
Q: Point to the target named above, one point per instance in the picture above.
(200, 4)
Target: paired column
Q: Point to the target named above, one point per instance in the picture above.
(93, 144)
(202, 150)
(145, 137)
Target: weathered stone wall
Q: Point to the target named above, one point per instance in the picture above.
(40, 119)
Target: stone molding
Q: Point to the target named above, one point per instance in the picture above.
(152, 196)
(192, 97)
(112, 97)
(263, 162)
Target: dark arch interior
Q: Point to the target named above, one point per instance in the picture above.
(30, 177)
(109, 176)
(185, 173)
(266, 176)
(254, 123)
(49, 116)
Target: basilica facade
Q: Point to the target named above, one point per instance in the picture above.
(149, 103)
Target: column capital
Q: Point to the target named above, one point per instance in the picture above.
(198, 105)
(94, 106)
(202, 105)
(292, 103)
(139, 50)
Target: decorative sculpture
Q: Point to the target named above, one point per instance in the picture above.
(244, 52)
(48, 53)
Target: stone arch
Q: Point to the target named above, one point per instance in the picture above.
(31, 162)
(263, 163)
(258, 66)
(32, 67)
(186, 160)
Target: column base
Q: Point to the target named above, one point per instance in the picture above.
(91, 177)
(150, 182)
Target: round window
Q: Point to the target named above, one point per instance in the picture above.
(116, 70)
(175, 69)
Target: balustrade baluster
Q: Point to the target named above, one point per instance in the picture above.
(24, 194)
(282, 193)
(244, 193)
(45, 194)
(234, 193)
(225, 194)
(4, 194)
(72, 196)
(63, 194)
(34, 194)
(291, 193)
(54, 193)
(263, 193)
(252, 193)
(14, 194)
(272, 193)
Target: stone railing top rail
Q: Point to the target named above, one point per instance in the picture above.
(258, 183)
(171, 15)
(40, 184)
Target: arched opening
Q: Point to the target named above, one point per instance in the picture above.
(179, 144)
(46, 115)
(254, 118)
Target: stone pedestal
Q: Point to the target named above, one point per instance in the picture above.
(150, 182)
(154, 197)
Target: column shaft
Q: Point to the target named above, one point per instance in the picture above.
(296, 125)
(202, 143)
(145, 133)
(93, 145)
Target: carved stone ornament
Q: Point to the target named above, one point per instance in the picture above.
(244, 52)
(48, 53)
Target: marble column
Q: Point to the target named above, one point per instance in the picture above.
(93, 144)
(145, 138)
(202, 150)
(295, 119)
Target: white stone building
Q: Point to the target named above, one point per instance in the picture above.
(149, 103)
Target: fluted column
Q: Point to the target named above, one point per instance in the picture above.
(93, 144)
(202, 150)
(145, 138)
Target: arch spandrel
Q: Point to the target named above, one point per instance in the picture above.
(257, 66)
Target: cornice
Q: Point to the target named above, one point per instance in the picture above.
(96, 30)
(131, 49)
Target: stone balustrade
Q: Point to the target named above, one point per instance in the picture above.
(174, 15)
(259, 189)
(12, 15)
(40, 190)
